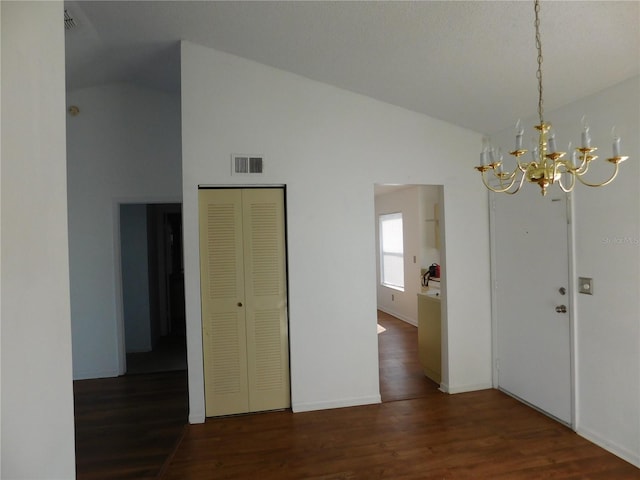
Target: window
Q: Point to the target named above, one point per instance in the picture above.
(391, 251)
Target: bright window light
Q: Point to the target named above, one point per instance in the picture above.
(391, 251)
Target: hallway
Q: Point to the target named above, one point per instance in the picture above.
(401, 376)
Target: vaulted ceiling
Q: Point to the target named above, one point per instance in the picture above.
(471, 63)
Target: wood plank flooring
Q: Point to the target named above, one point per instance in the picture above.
(418, 433)
(401, 376)
(479, 435)
(128, 427)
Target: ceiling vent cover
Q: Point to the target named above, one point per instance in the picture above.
(69, 22)
(247, 164)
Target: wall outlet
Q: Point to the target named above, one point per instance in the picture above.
(393, 297)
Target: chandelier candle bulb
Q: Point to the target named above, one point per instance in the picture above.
(552, 143)
(519, 133)
(616, 142)
(616, 147)
(586, 137)
(574, 153)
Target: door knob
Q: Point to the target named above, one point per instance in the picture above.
(561, 309)
(239, 304)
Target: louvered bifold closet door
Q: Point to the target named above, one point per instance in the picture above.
(265, 290)
(223, 311)
(244, 310)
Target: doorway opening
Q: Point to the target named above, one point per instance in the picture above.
(402, 367)
(153, 287)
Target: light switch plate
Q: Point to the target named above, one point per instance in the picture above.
(585, 285)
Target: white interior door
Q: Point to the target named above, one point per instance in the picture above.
(531, 270)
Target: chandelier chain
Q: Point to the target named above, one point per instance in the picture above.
(539, 72)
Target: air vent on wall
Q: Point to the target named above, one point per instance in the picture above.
(247, 164)
(69, 22)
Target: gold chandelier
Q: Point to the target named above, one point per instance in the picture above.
(547, 165)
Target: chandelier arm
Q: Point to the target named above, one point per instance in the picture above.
(505, 176)
(522, 166)
(565, 190)
(607, 182)
(564, 167)
(500, 189)
(522, 177)
(584, 164)
(554, 172)
(582, 169)
(571, 185)
(560, 166)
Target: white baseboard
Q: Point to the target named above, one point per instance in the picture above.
(196, 417)
(345, 402)
(97, 374)
(404, 318)
(632, 457)
(464, 388)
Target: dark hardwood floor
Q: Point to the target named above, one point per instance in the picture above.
(125, 430)
(479, 435)
(126, 427)
(168, 355)
(401, 376)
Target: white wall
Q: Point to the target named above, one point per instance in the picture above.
(330, 147)
(416, 205)
(608, 323)
(135, 277)
(607, 239)
(123, 147)
(37, 395)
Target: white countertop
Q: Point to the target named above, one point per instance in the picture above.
(431, 293)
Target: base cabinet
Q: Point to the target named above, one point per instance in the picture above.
(430, 336)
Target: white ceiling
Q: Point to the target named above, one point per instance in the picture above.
(471, 63)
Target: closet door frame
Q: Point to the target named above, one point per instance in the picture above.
(251, 396)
